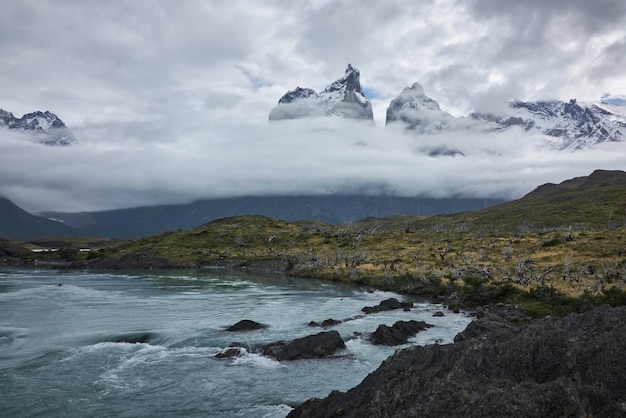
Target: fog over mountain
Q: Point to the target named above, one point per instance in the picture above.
(309, 156)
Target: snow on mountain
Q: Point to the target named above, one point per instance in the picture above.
(570, 125)
(420, 113)
(343, 98)
(42, 127)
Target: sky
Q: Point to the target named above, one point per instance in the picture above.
(170, 100)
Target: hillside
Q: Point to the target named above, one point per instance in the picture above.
(552, 251)
(332, 209)
(594, 201)
(18, 224)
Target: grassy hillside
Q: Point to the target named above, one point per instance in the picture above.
(560, 248)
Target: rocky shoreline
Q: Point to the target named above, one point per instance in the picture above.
(503, 364)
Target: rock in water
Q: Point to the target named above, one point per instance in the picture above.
(234, 349)
(245, 325)
(397, 334)
(319, 345)
(387, 305)
(552, 367)
(343, 98)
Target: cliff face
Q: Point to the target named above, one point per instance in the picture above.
(498, 367)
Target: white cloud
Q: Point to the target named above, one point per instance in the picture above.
(170, 99)
(288, 157)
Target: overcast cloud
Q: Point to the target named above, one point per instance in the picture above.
(170, 100)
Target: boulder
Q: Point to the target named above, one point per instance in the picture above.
(245, 325)
(500, 367)
(319, 345)
(398, 333)
(387, 305)
(234, 349)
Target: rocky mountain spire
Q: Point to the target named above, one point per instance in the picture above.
(343, 98)
(418, 111)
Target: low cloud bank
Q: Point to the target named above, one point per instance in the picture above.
(136, 164)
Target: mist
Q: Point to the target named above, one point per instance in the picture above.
(117, 167)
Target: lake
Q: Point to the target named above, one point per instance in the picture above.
(60, 353)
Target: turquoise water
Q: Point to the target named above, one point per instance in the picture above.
(58, 355)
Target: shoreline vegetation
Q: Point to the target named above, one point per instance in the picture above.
(557, 250)
(543, 271)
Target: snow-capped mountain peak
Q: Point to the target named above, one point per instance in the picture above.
(43, 127)
(569, 125)
(573, 125)
(419, 112)
(343, 98)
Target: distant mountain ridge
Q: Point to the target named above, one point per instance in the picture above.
(331, 209)
(595, 200)
(572, 125)
(42, 127)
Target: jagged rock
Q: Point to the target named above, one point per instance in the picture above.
(245, 325)
(387, 305)
(43, 127)
(343, 98)
(439, 314)
(319, 345)
(234, 349)
(498, 367)
(398, 333)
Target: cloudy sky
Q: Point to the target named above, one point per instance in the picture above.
(169, 100)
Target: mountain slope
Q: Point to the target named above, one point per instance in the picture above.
(597, 200)
(343, 98)
(333, 209)
(42, 127)
(18, 224)
(594, 201)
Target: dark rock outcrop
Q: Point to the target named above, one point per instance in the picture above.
(325, 323)
(234, 349)
(499, 367)
(387, 305)
(398, 333)
(245, 325)
(319, 345)
(330, 322)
